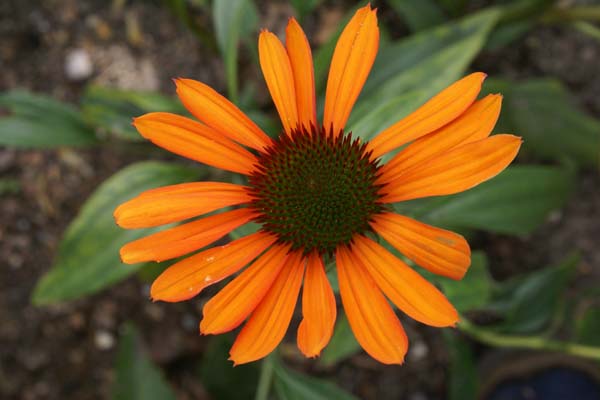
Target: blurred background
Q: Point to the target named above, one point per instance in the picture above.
(77, 324)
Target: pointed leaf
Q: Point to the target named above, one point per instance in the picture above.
(113, 109)
(543, 112)
(136, 377)
(291, 385)
(515, 202)
(36, 121)
(220, 378)
(88, 255)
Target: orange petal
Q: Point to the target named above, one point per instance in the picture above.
(318, 309)
(455, 171)
(435, 113)
(351, 63)
(271, 318)
(178, 202)
(408, 290)
(474, 124)
(184, 238)
(277, 70)
(371, 318)
(193, 140)
(186, 278)
(437, 250)
(298, 50)
(232, 305)
(220, 114)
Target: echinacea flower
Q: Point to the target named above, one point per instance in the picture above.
(318, 193)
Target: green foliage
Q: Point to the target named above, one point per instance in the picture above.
(386, 114)
(464, 377)
(304, 7)
(518, 10)
(88, 255)
(291, 385)
(453, 7)
(136, 377)
(515, 202)
(429, 61)
(266, 123)
(220, 378)
(542, 111)
(508, 33)
(233, 20)
(528, 303)
(9, 186)
(418, 15)
(38, 121)
(113, 109)
(406, 73)
(342, 343)
(474, 290)
(432, 59)
(587, 28)
(588, 326)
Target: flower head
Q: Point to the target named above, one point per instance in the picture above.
(318, 193)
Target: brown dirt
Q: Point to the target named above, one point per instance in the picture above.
(67, 351)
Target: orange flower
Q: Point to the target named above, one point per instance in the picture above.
(318, 193)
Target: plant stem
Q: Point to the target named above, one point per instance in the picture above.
(531, 342)
(266, 377)
(588, 29)
(579, 13)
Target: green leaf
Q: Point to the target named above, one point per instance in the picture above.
(431, 59)
(38, 121)
(508, 33)
(114, 109)
(291, 385)
(304, 7)
(382, 115)
(587, 28)
(342, 343)
(136, 377)
(88, 255)
(474, 290)
(423, 64)
(515, 202)
(9, 186)
(332, 276)
(418, 15)
(518, 10)
(528, 304)
(543, 113)
(265, 122)
(588, 326)
(453, 7)
(233, 19)
(220, 378)
(245, 230)
(464, 377)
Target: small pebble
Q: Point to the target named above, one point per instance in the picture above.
(418, 351)
(104, 340)
(78, 65)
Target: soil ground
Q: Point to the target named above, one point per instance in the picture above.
(68, 351)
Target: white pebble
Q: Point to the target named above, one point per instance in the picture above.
(78, 65)
(104, 340)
